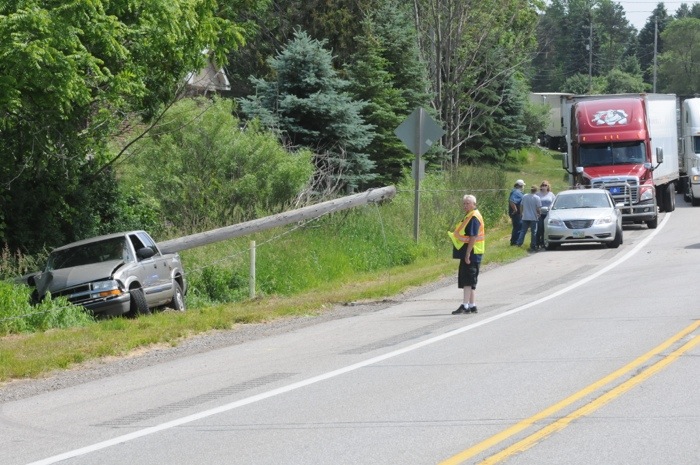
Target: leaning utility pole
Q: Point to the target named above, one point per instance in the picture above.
(281, 219)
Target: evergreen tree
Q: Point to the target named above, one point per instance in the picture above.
(504, 130)
(308, 105)
(396, 32)
(386, 73)
(548, 69)
(616, 36)
(371, 82)
(645, 41)
(581, 42)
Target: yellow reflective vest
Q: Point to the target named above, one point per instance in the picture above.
(459, 237)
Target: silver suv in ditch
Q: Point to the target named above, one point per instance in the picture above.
(116, 274)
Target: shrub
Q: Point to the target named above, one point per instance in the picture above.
(17, 315)
(211, 171)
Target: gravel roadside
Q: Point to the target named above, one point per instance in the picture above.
(93, 370)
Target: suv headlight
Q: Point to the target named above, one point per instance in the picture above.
(105, 289)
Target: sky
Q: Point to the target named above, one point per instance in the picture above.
(638, 11)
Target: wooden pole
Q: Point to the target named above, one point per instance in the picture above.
(281, 219)
(251, 279)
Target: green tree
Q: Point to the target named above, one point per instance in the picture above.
(687, 11)
(396, 32)
(548, 69)
(468, 45)
(617, 37)
(619, 82)
(387, 74)
(679, 65)
(309, 106)
(70, 73)
(650, 42)
(584, 84)
(505, 129)
(582, 37)
(248, 173)
(371, 82)
(337, 22)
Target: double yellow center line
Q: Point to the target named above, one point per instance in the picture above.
(587, 409)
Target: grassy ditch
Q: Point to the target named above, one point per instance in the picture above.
(362, 254)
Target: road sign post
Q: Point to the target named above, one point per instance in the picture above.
(419, 131)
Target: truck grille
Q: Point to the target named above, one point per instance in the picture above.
(622, 189)
(71, 291)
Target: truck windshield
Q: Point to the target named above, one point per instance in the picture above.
(94, 252)
(612, 154)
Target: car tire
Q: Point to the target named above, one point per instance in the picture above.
(178, 302)
(139, 305)
(615, 243)
(550, 245)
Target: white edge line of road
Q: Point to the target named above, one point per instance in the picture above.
(332, 374)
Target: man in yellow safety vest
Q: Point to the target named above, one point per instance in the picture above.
(468, 239)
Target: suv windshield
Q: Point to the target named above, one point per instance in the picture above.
(94, 252)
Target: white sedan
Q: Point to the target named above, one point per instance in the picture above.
(583, 215)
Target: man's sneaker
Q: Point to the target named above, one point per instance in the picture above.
(472, 309)
(461, 309)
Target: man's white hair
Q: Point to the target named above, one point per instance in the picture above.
(471, 198)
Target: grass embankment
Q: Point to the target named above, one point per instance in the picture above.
(364, 254)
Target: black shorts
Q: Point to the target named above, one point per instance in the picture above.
(468, 274)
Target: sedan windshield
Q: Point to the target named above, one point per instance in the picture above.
(582, 200)
(612, 154)
(94, 252)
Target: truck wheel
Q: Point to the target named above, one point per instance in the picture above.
(178, 302)
(652, 224)
(139, 305)
(687, 190)
(670, 200)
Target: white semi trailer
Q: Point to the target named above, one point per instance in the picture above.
(690, 149)
(554, 134)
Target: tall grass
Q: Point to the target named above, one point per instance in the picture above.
(334, 248)
(362, 253)
(17, 315)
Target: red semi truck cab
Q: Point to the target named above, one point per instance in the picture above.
(618, 143)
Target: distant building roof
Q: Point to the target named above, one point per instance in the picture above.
(209, 79)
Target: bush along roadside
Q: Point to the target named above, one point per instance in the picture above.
(17, 315)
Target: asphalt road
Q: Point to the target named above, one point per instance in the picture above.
(583, 355)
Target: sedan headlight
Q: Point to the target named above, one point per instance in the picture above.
(553, 221)
(105, 288)
(604, 220)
